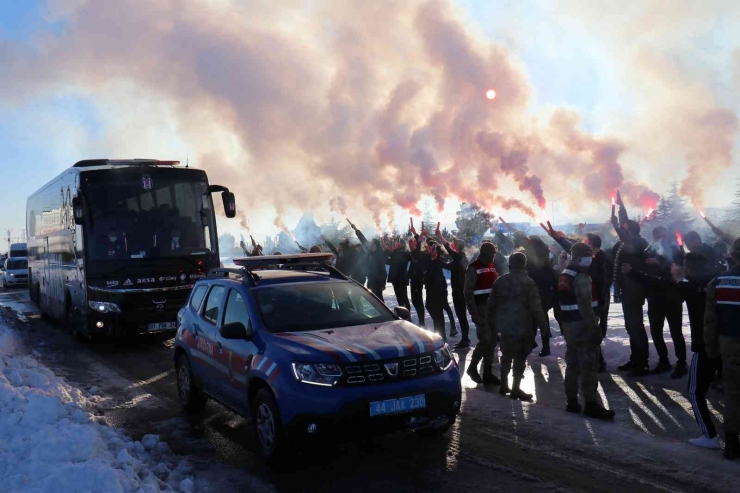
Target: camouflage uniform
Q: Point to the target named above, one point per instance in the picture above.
(515, 311)
(583, 338)
(722, 338)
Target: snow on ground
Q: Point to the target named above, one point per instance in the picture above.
(52, 439)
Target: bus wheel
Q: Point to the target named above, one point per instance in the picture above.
(73, 323)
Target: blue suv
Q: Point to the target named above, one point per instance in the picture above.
(305, 352)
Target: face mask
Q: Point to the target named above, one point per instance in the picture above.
(586, 261)
(113, 239)
(175, 239)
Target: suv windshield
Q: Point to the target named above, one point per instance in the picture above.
(148, 213)
(17, 264)
(326, 305)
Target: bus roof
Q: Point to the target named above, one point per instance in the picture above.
(86, 163)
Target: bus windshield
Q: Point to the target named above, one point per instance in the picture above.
(154, 213)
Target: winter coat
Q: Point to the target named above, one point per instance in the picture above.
(544, 277)
(434, 277)
(457, 269)
(586, 330)
(398, 261)
(514, 307)
(631, 251)
(346, 259)
(600, 270)
(416, 266)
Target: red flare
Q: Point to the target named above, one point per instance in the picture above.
(545, 228)
(702, 214)
(614, 201)
(679, 239)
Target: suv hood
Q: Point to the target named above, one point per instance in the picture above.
(358, 343)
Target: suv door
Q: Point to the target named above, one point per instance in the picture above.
(235, 353)
(186, 332)
(204, 330)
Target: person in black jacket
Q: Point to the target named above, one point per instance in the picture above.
(689, 284)
(630, 249)
(346, 256)
(436, 286)
(665, 304)
(540, 270)
(416, 277)
(398, 274)
(457, 268)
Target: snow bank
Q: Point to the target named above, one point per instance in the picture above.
(51, 439)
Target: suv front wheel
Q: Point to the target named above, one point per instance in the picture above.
(191, 397)
(267, 426)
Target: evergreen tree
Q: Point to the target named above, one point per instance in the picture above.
(663, 210)
(472, 221)
(734, 215)
(429, 217)
(672, 211)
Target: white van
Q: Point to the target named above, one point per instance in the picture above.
(15, 273)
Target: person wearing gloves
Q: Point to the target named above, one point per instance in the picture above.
(515, 311)
(579, 304)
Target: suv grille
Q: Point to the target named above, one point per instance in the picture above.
(390, 370)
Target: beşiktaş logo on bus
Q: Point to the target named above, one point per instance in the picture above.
(146, 182)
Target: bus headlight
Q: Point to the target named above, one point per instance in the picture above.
(104, 307)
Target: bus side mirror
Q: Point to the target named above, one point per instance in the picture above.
(78, 209)
(229, 204)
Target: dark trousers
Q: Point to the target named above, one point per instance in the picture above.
(461, 310)
(401, 290)
(661, 308)
(435, 307)
(701, 374)
(635, 325)
(617, 293)
(376, 287)
(448, 310)
(417, 299)
(603, 325)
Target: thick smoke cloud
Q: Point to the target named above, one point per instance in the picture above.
(350, 105)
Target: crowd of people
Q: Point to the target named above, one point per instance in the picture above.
(509, 300)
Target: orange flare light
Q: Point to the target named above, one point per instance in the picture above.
(614, 201)
(491, 94)
(679, 239)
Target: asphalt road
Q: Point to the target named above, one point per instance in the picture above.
(496, 445)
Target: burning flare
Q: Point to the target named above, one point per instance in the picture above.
(679, 239)
(491, 94)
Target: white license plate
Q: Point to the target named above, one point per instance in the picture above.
(395, 406)
(162, 326)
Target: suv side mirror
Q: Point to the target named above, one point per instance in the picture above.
(78, 209)
(403, 313)
(236, 330)
(229, 204)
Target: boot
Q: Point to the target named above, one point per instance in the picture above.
(488, 377)
(545, 347)
(664, 366)
(628, 366)
(473, 373)
(680, 370)
(595, 410)
(732, 446)
(504, 389)
(573, 406)
(639, 372)
(462, 345)
(517, 393)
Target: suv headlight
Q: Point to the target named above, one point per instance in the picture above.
(443, 358)
(323, 374)
(104, 307)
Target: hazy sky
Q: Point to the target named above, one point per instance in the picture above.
(366, 106)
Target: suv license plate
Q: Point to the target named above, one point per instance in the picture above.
(400, 405)
(162, 326)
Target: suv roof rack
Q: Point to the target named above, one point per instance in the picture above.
(85, 163)
(303, 261)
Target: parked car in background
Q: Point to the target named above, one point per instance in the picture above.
(15, 272)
